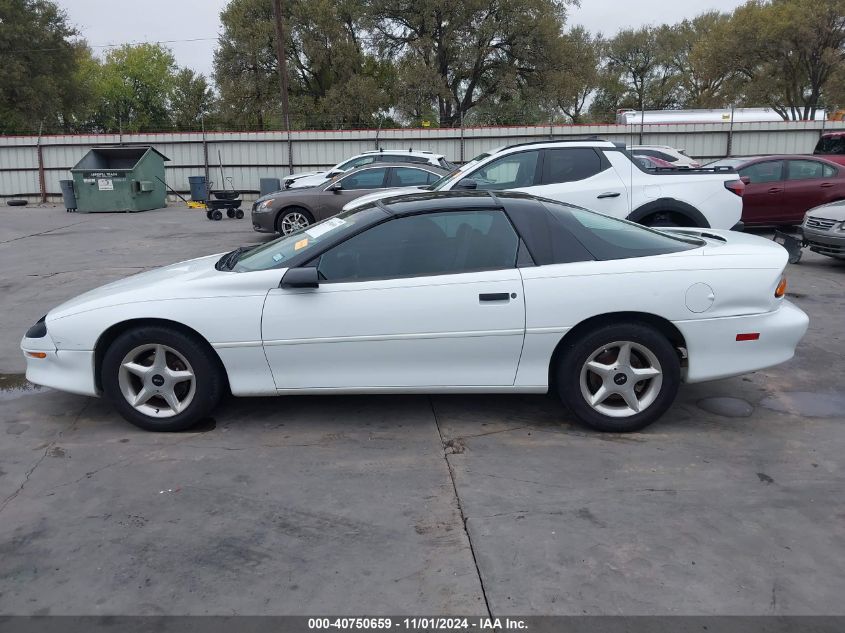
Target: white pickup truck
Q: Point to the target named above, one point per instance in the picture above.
(599, 176)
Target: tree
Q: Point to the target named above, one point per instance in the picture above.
(787, 51)
(38, 60)
(695, 50)
(568, 81)
(471, 48)
(328, 64)
(133, 87)
(191, 100)
(637, 58)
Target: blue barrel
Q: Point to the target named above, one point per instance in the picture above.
(199, 191)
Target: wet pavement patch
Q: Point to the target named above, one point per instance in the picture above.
(14, 386)
(727, 407)
(811, 404)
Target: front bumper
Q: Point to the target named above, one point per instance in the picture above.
(65, 370)
(830, 243)
(713, 351)
(263, 222)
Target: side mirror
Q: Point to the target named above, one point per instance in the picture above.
(334, 173)
(745, 179)
(335, 186)
(301, 278)
(466, 183)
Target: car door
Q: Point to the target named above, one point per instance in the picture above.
(424, 301)
(763, 195)
(808, 184)
(582, 176)
(346, 188)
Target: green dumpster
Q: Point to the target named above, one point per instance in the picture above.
(120, 179)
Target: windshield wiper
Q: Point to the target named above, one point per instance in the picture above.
(228, 261)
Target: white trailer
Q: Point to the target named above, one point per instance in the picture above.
(717, 115)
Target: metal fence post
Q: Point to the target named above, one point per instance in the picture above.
(461, 121)
(729, 148)
(42, 185)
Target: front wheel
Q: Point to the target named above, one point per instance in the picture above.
(160, 379)
(292, 220)
(619, 378)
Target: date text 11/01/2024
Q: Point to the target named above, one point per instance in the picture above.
(418, 624)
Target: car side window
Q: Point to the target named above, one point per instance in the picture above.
(364, 179)
(357, 162)
(410, 177)
(767, 171)
(805, 169)
(570, 164)
(508, 172)
(430, 244)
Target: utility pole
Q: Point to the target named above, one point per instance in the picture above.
(282, 64)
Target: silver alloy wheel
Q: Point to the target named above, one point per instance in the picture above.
(292, 222)
(621, 379)
(157, 380)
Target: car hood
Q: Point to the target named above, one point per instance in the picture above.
(380, 195)
(293, 191)
(829, 211)
(308, 181)
(194, 278)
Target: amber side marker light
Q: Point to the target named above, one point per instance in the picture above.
(37, 354)
(748, 336)
(781, 289)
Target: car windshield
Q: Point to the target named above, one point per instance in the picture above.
(437, 185)
(276, 254)
(611, 238)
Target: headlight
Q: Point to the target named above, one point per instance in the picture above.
(264, 206)
(841, 227)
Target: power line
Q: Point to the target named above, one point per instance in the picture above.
(133, 43)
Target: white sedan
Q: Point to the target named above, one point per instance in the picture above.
(462, 292)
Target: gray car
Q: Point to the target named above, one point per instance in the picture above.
(290, 210)
(824, 229)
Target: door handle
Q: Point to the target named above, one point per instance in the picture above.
(827, 184)
(775, 189)
(496, 296)
(608, 194)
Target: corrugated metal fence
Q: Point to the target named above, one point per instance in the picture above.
(31, 167)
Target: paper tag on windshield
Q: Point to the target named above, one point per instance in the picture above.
(324, 227)
(300, 244)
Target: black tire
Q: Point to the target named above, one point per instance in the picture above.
(208, 214)
(209, 382)
(239, 214)
(16, 202)
(217, 214)
(287, 214)
(230, 213)
(578, 352)
(661, 220)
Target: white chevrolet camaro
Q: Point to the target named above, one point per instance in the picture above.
(461, 292)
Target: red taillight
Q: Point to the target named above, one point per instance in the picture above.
(735, 186)
(748, 336)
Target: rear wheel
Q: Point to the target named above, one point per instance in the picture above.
(619, 378)
(160, 379)
(292, 220)
(217, 214)
(239, 214)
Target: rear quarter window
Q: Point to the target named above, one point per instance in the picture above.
(608, 238)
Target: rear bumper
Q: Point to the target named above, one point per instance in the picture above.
(65, 370)
(715, 353)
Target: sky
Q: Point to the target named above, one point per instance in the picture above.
(119, 21)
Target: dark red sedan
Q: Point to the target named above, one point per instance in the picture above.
(781, 189)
